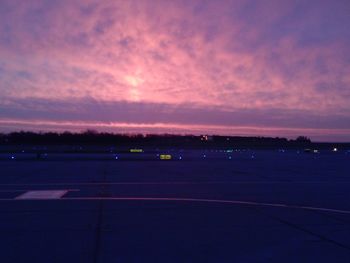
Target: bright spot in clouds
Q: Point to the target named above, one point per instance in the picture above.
(133, 81)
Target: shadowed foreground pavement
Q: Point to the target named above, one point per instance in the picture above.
(179, 211)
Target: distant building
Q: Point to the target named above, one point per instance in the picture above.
(206, 138)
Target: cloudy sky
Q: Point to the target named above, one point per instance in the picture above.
(241, 67)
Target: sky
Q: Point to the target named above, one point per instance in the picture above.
(240, 67)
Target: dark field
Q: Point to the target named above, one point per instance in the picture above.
(201, 206)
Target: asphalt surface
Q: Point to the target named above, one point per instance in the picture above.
(257, 206)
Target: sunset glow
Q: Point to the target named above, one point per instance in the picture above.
(218, 67)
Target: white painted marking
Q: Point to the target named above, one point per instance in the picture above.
(219, 201)
(26, 190)
(174, 183)
(42, 194)
(212, 201)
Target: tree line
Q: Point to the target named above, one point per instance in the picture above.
(91, 137)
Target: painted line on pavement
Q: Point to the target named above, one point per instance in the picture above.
(199, 200)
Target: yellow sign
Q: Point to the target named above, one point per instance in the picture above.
(165, 157)
(136, 150)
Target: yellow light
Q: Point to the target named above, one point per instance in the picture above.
(136, 150)
(165, 157)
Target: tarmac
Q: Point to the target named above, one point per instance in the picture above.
(257, 206)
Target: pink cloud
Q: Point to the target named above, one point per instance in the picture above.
(230, 55)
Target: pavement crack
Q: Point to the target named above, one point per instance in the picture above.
(300, 228)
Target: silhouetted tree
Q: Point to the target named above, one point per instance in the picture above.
(92, 137)
(303, 139)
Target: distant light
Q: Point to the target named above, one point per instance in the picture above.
(204, 138)
(165, 157)
(116, 157)
(253, 156)
(335, 149)
(230, 157)
(180, 158)
(12, 157)
(136, 150)
(315, 151)
(204, 156)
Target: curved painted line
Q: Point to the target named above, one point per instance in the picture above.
(174, 183)
(218, 201)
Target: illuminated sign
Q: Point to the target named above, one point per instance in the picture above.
(165, 157)
(136, 150)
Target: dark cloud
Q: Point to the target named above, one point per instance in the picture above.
(89, 110)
